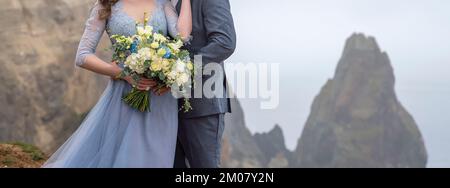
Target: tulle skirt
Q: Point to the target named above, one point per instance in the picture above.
(113, 135)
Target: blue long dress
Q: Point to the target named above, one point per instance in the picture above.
(113, 135)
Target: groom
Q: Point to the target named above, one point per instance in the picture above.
(200, 130)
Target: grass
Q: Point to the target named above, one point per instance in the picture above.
(35, 153)
(8, 161)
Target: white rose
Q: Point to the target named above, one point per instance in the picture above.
(182, 79)
(140, 30)
(135, 63)
(148, 29)
(172, 75)
(144, 31)
(131, 60)
(145, 53)
(180, 66)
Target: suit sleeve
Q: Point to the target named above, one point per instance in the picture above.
(220, 31)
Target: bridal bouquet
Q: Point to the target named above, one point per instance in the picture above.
(154, 56)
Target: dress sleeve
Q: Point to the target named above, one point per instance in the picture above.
(171, 17)
(93, 32)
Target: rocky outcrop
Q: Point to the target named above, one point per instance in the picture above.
(357, 120)
(273, 148)
(43, 96)
(241, 149)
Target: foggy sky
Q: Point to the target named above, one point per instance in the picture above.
(307, 38)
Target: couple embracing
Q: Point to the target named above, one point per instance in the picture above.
(114, 135)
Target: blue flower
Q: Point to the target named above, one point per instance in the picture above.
(168, 54)
(134, 46)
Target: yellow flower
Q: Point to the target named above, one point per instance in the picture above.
(160, 38)
(154, 45)
(175, 51)
(174, 46)
(165, 64)
(190, 66)
(129, 40)
(153, 54)
(156, 66)
(161, 52)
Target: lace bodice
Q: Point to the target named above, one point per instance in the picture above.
(163, 19)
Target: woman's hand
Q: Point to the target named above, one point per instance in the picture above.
(117, 71)
(146, 84)
(143, 84)
(161, 91)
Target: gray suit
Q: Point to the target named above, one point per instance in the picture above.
(200, 130)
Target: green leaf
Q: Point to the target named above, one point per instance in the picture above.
(162, 76)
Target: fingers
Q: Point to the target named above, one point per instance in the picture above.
(149, 86)
(147, 82)
(132, 82)
(143, 84)
(162, 91)
(144, 87)
(156, 89)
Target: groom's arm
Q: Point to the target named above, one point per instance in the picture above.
(220, 31)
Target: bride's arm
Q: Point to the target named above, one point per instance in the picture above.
(179, 24)
(86, 57)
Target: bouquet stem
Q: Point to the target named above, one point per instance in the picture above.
(137, 99)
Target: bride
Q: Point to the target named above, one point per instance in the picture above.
(115, 135)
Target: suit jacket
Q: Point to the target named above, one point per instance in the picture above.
(214, 38)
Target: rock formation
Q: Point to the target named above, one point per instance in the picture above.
(43, 98)
(357, 120)
(273, 148)
(241, 149)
